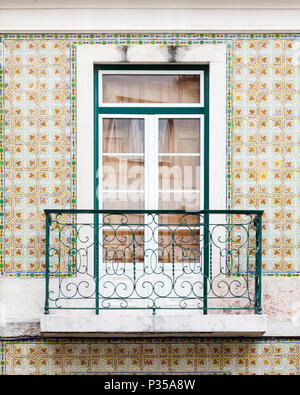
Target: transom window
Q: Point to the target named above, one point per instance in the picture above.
(150, 142)
(144, 88)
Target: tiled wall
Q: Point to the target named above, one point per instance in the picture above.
(37, 145)
(38, 93)
(265, 141)
(190, 356)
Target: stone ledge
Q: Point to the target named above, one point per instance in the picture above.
(19, 329)
(160, 325)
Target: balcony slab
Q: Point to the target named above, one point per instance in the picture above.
(150, 326)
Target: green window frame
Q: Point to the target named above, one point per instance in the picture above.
(184, 110)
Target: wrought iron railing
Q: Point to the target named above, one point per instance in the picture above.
(207, 260)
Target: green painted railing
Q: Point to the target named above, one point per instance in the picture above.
(207, 260)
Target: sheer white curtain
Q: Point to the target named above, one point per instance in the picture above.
(123, 163)
(123, 135)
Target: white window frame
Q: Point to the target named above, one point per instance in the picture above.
(101, 73)
(151, 157)
(151, 173)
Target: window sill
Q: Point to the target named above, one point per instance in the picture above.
(118, 325)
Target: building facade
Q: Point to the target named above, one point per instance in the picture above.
(84, 87)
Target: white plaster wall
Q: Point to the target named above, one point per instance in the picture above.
(149, 16)
(22, 303)
(213, 55)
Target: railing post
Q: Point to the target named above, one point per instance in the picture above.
(96, 261)
(48, 223)
(206, 261)
(258, 229)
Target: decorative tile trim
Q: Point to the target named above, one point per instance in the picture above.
(2, 181)
(2, 358)
(152, 356)
(152, 373)
(118, 37)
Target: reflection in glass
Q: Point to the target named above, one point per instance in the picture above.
(179, 201)
(123, 200)
(179, 136)
(125, 172)
(180, 244)
(122, 245)
(155, 88)
(179, 172)
(123, 135)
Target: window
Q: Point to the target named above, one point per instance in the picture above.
(151, 153)
(151, 137)
(144, 88)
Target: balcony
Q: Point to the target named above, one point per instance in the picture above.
(141, 271)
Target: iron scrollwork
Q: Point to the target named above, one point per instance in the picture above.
(202, 260)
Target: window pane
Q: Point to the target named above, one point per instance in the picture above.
(178, 201)
(179, 135)
(125, 88)
(123, 243)
(123, 201)
(179, 172)
(124, 135)
(125, 172)
(180, 244)
(176, 220)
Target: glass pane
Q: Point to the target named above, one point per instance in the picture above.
(179, 135)
(178, 201)
(144, 88)
(124, 135)
(179, 172)
(123, 163)
(123, 201)
(123, 244)
(125, 172)
(180, 244)
(176, 220)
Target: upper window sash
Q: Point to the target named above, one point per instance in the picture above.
(102, 73)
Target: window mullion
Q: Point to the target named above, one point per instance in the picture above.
(151, 163)
(151, 190)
